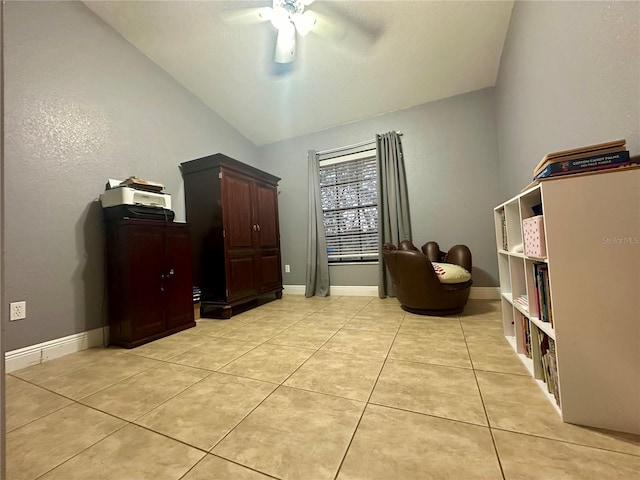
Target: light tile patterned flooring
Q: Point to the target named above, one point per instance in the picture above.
(322, 388)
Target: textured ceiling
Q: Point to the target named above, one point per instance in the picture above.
(366, 57)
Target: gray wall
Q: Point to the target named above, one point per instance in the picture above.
(451, 158)
(569, 77)
(83, 105)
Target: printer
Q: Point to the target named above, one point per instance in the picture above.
(136, 199)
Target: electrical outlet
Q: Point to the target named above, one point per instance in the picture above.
(17, 311)
(287, 269)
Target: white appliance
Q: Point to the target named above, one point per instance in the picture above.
(131, 196)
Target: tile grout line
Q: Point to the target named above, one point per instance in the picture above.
(484, 408)
(367, 403)
(86, 448)
(265, 399)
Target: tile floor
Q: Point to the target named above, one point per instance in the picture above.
(326, 388)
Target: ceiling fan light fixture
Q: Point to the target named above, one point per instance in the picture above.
(279, 18)
(304, 22)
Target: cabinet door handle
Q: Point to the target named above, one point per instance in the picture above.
(258, 227)
(255, 227)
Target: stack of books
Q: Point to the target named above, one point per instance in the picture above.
(196, 294)
(585, 159)
(523, 302)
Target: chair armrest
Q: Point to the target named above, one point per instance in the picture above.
(432, 251)
(460, 255)
(407, 245)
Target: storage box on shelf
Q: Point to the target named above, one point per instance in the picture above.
(573, 317)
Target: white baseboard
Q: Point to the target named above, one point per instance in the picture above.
(477, 293)
(484, 293)
(337, 290)
(293, 289)
(59, 347)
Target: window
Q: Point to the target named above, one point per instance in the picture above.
(348, 188)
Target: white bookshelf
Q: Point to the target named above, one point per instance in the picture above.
(592, 232)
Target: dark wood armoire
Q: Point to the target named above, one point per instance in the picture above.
(233, 211)
(149, 280)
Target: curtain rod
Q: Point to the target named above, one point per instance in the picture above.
(349, 147)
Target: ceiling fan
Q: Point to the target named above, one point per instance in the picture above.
(289, 17)
(293, 17)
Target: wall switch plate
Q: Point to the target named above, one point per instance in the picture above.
(17, 311)
(287, 269)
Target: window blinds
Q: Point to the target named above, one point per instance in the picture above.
(348, 188)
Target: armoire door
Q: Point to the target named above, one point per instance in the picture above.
(267, 244)
(267, 216)
(239, 231)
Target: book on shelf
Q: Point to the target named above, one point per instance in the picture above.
(632, 164)
(503, 223)
(587, 151)
(526, 335)
(549, 365)
(576, 156)
(542, 290)
(553, 370)
(585, 164)
(522, 301)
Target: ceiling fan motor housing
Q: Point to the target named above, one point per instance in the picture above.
(290, 6)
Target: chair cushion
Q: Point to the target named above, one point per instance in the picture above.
(450, 273)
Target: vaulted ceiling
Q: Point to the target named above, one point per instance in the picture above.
(363, 58)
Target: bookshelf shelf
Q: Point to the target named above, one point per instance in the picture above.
(588, 352)
(522, 310)
(544, 326)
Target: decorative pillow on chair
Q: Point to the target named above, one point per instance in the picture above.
(450, 273)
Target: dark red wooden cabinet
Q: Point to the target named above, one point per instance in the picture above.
(149, 274)
(233, 210)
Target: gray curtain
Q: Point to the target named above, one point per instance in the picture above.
(317, 262)
(394, 223)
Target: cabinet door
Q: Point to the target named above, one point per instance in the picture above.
(239, 231)
(237, 213)
(269, 271)
(177, 280)
(266, 208)
(143, 266)
(267, 238)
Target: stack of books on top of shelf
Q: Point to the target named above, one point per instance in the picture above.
(602, 156)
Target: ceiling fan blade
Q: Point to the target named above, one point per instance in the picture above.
(246, 16)
(286, 45)
(343, 31)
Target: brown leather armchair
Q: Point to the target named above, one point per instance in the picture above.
(416, 283)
